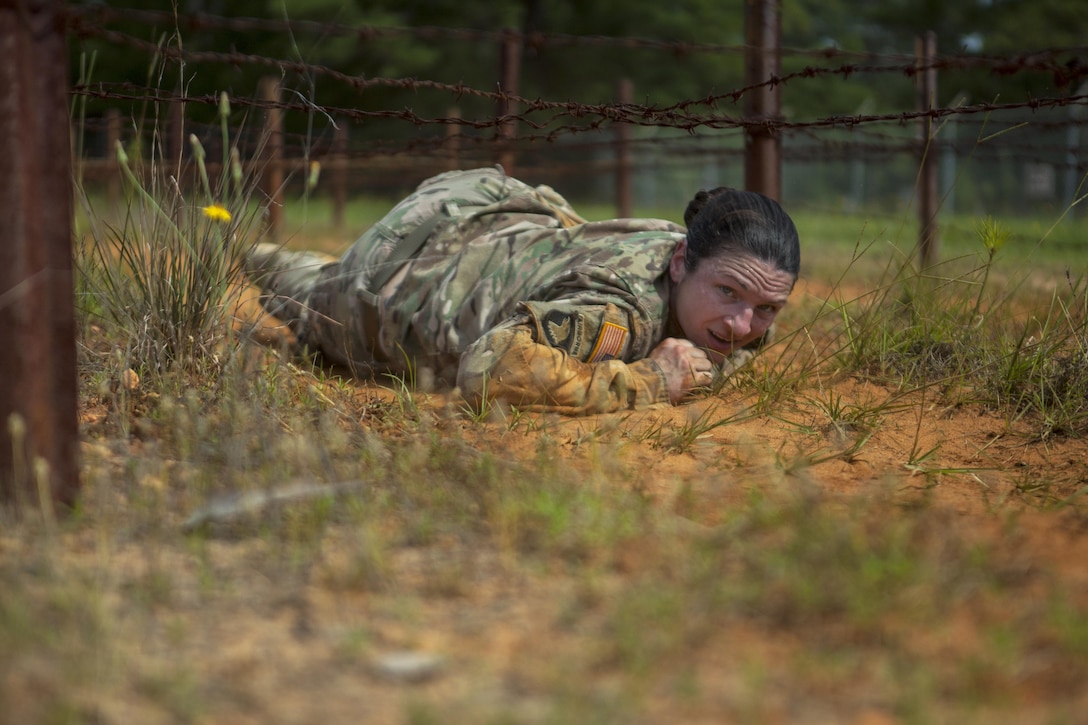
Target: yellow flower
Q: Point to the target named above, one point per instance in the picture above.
(217, 212)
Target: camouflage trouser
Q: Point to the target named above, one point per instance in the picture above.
(344, 318)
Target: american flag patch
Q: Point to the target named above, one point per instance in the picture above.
(609, 343)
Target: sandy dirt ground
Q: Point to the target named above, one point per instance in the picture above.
(154, 626)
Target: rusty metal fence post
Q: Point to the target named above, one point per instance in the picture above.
(926, 95)
(38, 385)
(453, 139)
(175, 137)
(338, 163)
(763, 59)
(624, 196)
(506, 107)
(272, 145)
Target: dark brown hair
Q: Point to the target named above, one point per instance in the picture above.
(724, 220)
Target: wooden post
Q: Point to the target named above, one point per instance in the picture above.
(509, 74)
(339, 170)
(762, 143)
(176, 135)
(175, 150)
(926, 93)
(272, 144)
(453, 140)
(624, 201)
(38, 384)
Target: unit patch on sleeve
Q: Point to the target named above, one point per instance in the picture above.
(609, 343)
(564, 330)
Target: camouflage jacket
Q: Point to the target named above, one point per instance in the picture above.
(511, 295)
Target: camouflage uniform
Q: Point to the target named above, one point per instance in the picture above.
(512, 295)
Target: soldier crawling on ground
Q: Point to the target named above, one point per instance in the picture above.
(502, 289)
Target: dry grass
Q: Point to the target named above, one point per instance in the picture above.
(824, 544)
(882, 521)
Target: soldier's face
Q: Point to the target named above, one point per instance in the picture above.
(728, 301)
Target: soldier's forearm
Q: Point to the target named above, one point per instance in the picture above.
(509, 366)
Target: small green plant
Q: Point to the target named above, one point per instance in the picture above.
(845, 417)
(945, 329)
(993, 236)
(519, 419)
(407, 405)
(1045, 373)
(482, 409)
(699, 422)
(166, 273)
(1041, 490)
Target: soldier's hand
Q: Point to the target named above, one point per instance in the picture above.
(685, 366)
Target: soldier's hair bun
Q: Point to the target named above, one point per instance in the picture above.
(725, 219)
(701, 198)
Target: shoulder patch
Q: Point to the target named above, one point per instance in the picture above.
(564, 330)
(610, 342)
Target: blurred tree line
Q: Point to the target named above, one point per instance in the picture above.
(563, 59)
(588, 73)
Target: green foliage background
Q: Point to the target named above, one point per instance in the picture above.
(588, 74)
(575, 52)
